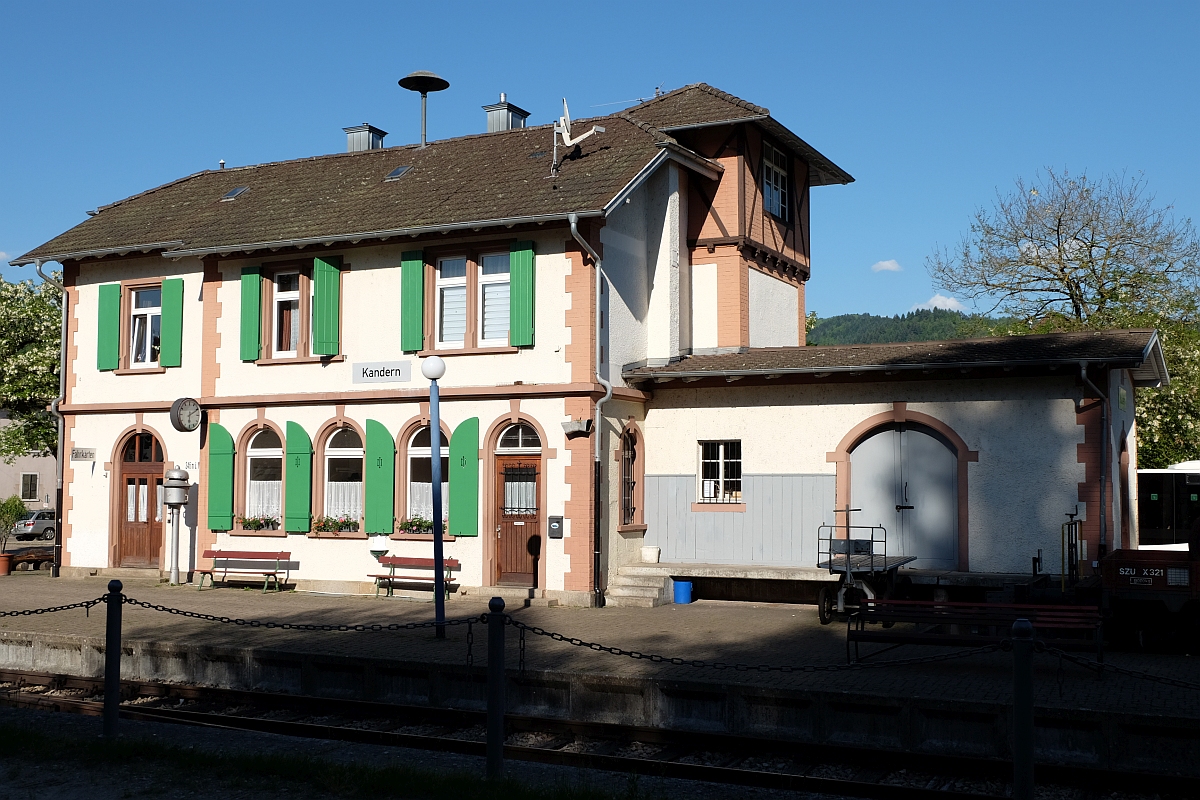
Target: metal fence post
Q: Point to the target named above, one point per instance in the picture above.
(112, 659)
(495, 689)
(1022, 745)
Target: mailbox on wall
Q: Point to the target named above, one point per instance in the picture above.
(555, 525)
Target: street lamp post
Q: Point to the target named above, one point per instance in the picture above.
(434, 368)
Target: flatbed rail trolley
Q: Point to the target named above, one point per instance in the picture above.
(861, 562)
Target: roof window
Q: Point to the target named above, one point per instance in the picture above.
(396, 174)
(234, 193)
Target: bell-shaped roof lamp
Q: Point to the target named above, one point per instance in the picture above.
(423, 82)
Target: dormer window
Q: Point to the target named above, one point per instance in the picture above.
(775, 182)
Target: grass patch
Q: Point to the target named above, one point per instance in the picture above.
(312, 776)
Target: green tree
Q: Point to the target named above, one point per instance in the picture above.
(11, 510)
(30, 320)
(1066, 253)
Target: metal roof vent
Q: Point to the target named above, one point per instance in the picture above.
(364, 137)
(504, 116)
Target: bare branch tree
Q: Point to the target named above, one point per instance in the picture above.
(1075, 251)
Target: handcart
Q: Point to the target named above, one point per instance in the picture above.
(858, 555)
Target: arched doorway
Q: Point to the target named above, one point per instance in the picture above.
(140, 515)
(904, 476)
(518, 518)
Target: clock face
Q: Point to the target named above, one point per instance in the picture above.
(185, 414)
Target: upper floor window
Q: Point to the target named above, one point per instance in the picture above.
(775, 182)
(286, 318)
(451, 302)
(292, 310)
(145, 327)
(721, 472)
(29, 486)
(493, 300)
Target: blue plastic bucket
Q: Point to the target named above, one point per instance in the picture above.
(683, 592)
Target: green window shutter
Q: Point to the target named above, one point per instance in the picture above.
(412, 301)
(380, 479)
(297, 476)
(251, 313)
(171, 342)
(464, 479)
(327, 304)
(520, 294)
(220, 478)
(108, 332)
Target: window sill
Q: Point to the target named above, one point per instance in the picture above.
(140, 371)
(269, 362)
(277, 533)
(734, 507)
(637, 527)
(418, 537)
(469, 351)
(336, 535)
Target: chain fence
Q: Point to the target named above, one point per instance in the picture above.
(1041, 646)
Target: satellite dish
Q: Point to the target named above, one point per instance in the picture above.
(563, 128)
(424, 82)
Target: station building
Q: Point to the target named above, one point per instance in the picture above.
(622, 321)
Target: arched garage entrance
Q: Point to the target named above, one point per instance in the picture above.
(904, 477)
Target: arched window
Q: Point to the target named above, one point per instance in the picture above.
(344, 475)
(264, 476)
(420, 475)
(520, 437)
(629, 477)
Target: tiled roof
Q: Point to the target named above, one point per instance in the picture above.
(1137, 349)
(495, 178)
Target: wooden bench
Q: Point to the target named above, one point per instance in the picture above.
(969, 624)
(221, 559)
(393, 563)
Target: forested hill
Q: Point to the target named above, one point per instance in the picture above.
(915, 326)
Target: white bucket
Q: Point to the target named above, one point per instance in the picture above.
(650, 554)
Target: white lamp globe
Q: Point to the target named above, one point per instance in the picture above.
(433, 368)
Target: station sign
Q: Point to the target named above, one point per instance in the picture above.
(383, 372)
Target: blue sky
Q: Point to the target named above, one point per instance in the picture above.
(931, 106)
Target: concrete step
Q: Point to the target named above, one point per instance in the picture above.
(620, 579)
(647, 570)
(633, 591)
(630, 602)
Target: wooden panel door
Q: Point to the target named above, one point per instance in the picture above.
(140, 510)
(518, 526)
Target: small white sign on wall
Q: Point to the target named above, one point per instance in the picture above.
(83, 454)
(383, 372)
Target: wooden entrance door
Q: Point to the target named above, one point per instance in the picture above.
(518, 521)
(140, 508)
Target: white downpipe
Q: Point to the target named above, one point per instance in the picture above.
(573, 219)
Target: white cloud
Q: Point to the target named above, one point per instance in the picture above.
(891, 265)
(5, 256)
(940, 300)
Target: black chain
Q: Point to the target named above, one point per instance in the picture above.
(291, 626)
(521, 651)
(34, 611)
(470, 643)
(721, 665)
(1097, 666)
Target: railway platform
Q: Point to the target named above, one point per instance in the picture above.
(954, 705)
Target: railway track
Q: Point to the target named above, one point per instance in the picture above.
(701, 756)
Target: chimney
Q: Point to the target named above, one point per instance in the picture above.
(364, 137)
(505, 116)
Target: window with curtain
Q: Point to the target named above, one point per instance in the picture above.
(420, 475)
(286, 318)
(344, 475)
(721, 472)
(145, 327)
(451, 302)
(264, 475)
(493, 300)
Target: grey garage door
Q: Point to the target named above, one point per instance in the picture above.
(905, 478)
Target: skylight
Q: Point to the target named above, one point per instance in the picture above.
(396, 173)
(234, 193)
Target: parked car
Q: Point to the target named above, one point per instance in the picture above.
(35, 525)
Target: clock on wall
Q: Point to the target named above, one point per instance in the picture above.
(185, 414)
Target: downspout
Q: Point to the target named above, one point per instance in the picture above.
(62, 392)
(1104, 414)
(597, 533)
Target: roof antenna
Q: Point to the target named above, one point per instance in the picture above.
(563, 127)
(423, 82)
